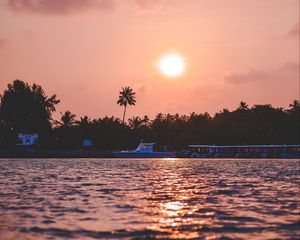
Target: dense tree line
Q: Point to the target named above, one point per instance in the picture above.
(26, 108)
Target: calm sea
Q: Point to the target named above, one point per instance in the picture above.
(149, 199)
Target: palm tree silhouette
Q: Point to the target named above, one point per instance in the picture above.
(135, 122)
(243, 106)
(126, 97)
(67, 119)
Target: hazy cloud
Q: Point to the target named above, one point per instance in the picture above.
(152, 5)
(287, 72)
(294, 32)
(249, 76)
(60, 7)
(143, 88)
(146, 4)
(29, 36)
(2, 43)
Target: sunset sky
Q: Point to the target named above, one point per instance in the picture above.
(86, 50)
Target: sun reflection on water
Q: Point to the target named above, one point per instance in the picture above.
(175, 212)
(170, 159)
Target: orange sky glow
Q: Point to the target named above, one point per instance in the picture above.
(86, 50)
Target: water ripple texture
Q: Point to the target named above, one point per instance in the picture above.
(149, 199)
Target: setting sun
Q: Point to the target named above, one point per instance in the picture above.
(171, 65)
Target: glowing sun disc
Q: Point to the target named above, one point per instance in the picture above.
(171, 65)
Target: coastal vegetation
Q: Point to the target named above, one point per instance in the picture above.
(26, 108)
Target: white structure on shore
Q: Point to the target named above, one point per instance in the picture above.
(27, 139)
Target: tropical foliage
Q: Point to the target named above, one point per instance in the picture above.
(258, 124)
(26, 108)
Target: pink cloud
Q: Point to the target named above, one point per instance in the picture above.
(153, 5)
(60, 7)
(244, 77)
(287, 72)
(3, 42)
(294, 32)
(147, 4)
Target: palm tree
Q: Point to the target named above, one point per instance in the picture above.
(295, 106)
(67, 119)
(83, 122)
(135, 122)
(243, 106)
(126, 97)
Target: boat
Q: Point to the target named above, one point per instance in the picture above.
(144, 150)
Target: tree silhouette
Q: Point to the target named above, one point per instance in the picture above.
(67, 119)
(295, 106)
(83, 122)
(243, 106)
(26, 108)
(126, 97)
(135, 122)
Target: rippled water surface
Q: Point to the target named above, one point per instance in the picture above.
(149, 198)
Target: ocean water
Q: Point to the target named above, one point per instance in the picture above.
(149, 199)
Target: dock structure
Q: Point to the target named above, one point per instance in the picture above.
(245, 151)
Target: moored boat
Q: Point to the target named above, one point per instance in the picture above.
(144, 150)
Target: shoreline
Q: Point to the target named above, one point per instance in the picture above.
(30, 153)
(55, 154)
